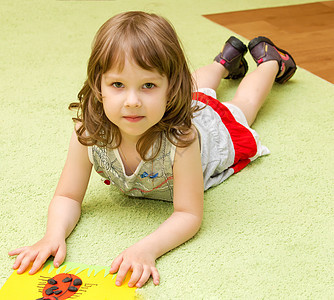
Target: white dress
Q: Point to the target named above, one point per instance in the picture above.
(227, 145)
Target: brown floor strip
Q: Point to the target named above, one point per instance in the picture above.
(306, 31)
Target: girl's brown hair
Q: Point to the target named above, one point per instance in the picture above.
(152, 43)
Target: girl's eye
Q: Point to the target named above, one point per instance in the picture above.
(149, 85)
(117, 85)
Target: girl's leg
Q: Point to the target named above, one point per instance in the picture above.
(274, 64)
(210, 76)
(254, 88)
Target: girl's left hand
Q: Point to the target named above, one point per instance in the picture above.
(138, 260)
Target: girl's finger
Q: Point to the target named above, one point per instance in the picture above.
(16, 251)
(18, 260)
(123, 270)
(25, 263)
(144, 277)
(155, 276)
(39, 261)
(136, 275)
(116, 264)
(60, 256)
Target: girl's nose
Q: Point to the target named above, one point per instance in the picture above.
(132, 99)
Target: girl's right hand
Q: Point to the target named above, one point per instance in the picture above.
(38, 254)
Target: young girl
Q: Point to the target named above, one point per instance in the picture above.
(139, 127)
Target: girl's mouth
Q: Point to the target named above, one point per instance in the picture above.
(133, 118)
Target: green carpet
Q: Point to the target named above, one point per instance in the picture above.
(267, 231)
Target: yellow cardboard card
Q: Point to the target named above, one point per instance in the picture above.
(69, 281)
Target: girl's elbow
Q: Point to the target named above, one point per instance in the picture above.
(199, 223)
(196, 222)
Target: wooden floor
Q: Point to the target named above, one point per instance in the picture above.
(306, 31)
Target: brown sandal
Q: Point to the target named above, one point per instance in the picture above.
(232, 58)
(263, 49)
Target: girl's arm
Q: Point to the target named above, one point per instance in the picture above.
(182, 225)
(63, 214)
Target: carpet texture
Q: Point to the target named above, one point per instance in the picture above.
(267, 231)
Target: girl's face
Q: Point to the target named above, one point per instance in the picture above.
(134, 99)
